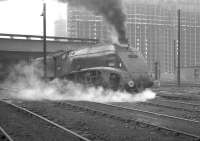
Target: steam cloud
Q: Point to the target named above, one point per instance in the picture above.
(111, 10)
(26, 83)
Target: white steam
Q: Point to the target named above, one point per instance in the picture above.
(26, 83)
(114, 38)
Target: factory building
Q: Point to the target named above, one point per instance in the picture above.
(83, 24)
(60, 27)
(151, 28)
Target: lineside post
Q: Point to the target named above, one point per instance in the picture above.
(44, 40)
(179, 40)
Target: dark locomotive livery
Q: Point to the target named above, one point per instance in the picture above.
(110, 66)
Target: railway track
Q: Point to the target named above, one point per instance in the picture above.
(177, 92)
(183, 84)
(58, 130)
(193, 98)
(178, 109)
(161, 122)
(190, 91)
(4, 136)
(178, 105)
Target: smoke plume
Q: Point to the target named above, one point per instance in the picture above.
(111, 10)
(25, 83)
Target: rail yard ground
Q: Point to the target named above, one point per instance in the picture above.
(174, 115)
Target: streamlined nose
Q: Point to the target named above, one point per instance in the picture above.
(144, 83)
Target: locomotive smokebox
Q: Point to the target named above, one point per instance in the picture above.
(124, 42)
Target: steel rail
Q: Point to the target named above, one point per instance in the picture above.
(81, 138)
(6, 134)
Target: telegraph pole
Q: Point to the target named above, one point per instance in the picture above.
(175, 53)
(179, 40)
(44, 40)
(156, 71)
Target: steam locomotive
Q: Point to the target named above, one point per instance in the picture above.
(111, 66)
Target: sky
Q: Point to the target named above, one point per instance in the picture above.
(24, 16)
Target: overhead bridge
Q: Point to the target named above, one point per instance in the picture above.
(34, 43)
(17, 47)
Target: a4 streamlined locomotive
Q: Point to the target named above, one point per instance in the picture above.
(110, 66)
